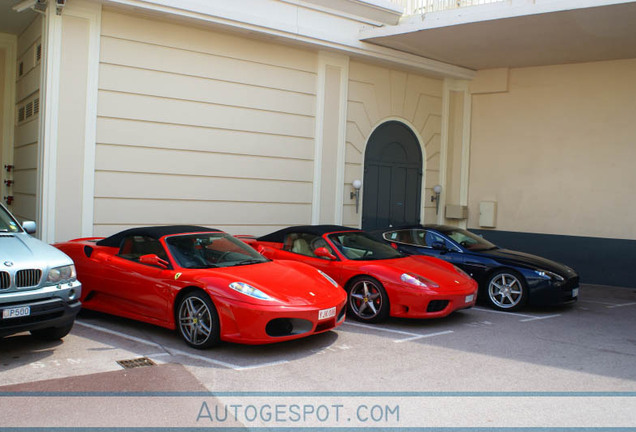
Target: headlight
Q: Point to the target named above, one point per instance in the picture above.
(461, 272)
(249, 290)
(326, 276)
(550, 275)
(61, 274)
(417, 280)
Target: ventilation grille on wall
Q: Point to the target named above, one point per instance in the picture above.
(28, 109)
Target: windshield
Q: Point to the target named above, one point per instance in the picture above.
(469, 240)
(7, 223)
(359, 246)
(210, 250)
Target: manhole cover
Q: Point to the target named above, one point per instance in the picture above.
(133, 363)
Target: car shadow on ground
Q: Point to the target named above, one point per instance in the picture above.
(143, 338)
(23, 349)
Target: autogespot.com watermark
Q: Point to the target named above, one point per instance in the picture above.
(385, 411)
(265, 413)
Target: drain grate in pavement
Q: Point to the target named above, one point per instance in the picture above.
(134, 363)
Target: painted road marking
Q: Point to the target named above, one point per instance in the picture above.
(527, 317)
(621, 305)
(609, 305)
(412, 336)
(424, 336)
(172, 352)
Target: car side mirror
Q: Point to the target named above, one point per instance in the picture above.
(438, 245)
(29, 226)
(323, 252)
(154, 260)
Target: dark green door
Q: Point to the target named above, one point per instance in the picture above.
(392, 178)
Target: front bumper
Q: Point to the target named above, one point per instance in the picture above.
(544, 292)
(53, 312)
(249, 324)
(50, 306)
(407, 302)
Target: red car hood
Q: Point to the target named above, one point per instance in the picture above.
(293, 283)
(431, 268)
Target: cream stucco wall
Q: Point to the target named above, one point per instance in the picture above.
(555, 148)
(376, 95)
(201, 127)
(26, 139)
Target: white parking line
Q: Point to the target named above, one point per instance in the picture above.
(412, 336)
(540, 318)
(424, 336)
(171, 352)
(596, 302)
(620, 305)
(609, 305)
(502, 312)
(527, 317)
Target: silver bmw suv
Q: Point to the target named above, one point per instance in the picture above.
(39, 290)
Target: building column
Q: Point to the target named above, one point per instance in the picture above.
(68, 131)
(455, 153)
(330, 136)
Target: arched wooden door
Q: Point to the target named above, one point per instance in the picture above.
(392, 177)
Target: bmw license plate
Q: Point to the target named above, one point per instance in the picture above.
(469, 298)
(575, 292)
(327, 313)
(16, 312)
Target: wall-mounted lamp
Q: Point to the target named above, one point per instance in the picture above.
(438, 190)
(355, 193)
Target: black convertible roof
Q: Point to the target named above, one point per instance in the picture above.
(153, 232)
(279, 236)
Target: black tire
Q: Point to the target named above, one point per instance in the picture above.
(367, 300)
(197, 320)
(506, 290)
(52, 333)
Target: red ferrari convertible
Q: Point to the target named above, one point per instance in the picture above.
(206, 284)
(379, 280)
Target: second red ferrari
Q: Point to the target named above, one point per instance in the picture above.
(379, 280)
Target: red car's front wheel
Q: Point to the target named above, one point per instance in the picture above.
(368, 300)
(197, 320)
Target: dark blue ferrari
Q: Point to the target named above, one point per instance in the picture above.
(508, 280)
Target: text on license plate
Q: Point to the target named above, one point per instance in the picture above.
(469, 298)
(16, 312)
(326, 313)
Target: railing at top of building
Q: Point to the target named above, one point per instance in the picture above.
(416, 7)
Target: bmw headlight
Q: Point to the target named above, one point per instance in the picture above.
(417, 280)
(61, 274)
(550, 275)
(249, 290)
(326, 276)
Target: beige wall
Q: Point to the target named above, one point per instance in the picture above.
(200, 127)
(555, 147)
(25, 152)
(376, 95)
